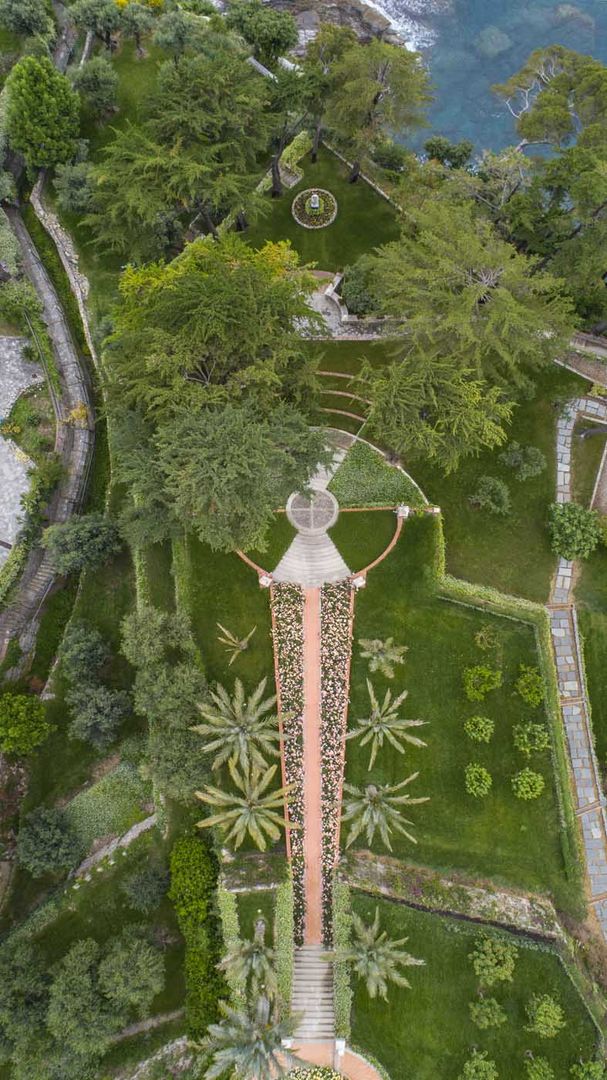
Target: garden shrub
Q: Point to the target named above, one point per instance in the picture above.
(47, 843)
(98, 712)
(193, 889)
(227, 906)
(528, 784)
(479, 1067)
(479, 728)
(493, 960)
(588, 1070)
(82, 543)
(530, 685)
(493, 495)
(23, 723)
(342, 930)
(527, 461)
(487, 638)
(83, 652)
(146, 887)
(478, 780)
(531, 738)
(539, 1069)
(480, 680)
(487, 1013)
(356, 287)
(575, 531)
(546, 1016)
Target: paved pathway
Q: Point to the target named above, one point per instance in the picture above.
(572, 689)
(312, 559)
(312, 770)
(16, 375)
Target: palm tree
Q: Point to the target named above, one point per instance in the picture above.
(376, 808)
(376, 958)
(233, 644)
(255, 810)
(240, 729)
(385, 723)
(382, 655)
(248, 1044)
(251, 963)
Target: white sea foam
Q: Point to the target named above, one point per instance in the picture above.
(416, 32)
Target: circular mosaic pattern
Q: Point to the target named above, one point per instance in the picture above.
(314, 513)
(314, 208)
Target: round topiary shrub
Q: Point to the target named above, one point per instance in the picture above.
(528, 784)
(479, 1067)
(491, 494)
(530, 685)
(314, 217)
(539, 1069)
(493, 959)
(487, 1013)
(574, 531)
(478, 780)
(23, 723)
(546, 1016)
(531, 738)
(479, 728)
(479, 680)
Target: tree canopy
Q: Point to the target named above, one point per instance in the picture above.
(42, 114)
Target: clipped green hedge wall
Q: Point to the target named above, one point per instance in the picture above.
(342, 988)
(228, 913)
(284, 941)
(193, 892)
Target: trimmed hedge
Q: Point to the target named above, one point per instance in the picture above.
(342, 988)
(284, 942)
(228, 913)
(193, 892)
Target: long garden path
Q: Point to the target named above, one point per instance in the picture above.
(573, 694)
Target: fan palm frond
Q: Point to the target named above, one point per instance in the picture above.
(384, 723)
(251, 809)
(377, 808)
(238, 728)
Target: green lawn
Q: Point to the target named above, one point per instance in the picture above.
(365, 479)
(497, 837)
(364, 220)
(361, 536)
(216, 587)
(511, 553)
(426, 1033)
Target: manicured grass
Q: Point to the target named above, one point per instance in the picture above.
(364, 220)
(216, 587)
(33, 414)
(361, 536)
(158, 569)
(587, 456)
(279, 538)
(249, 906)
(426, 1032)
(499, 836)
(511, 553)
(365, 479)
(347, 356)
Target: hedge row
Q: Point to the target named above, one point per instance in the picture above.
(228, 913)
(284, 942)
(342, 929)
(193, 892)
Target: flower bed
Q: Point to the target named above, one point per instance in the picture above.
(336, 647)
(311, 217)
(287, 616)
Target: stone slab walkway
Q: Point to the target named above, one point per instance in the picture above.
(16, 375)
(312, 560)
(570, 672)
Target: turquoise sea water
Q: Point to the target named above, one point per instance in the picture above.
(481, 42)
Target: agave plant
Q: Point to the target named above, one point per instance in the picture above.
(376, 958)
(250, 809)
(234, 645)
(376, 808)
(385, 723)
(239, 729)
(251, 964)
(382, 655)
(248, 1044)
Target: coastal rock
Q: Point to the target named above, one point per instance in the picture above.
(366, 20)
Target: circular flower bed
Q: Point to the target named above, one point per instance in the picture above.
(317, 1072)
(314, 208)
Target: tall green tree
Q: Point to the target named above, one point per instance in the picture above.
(28, 18)
(252, 964)
(378, 88)
(271, 33)
(131, 974)
(322, 55)
(248, 1044)
(97, 82)
(42, 113)
(136, 20)
(78, 1013)
(102, 17)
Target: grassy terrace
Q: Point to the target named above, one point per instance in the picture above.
(426, 1032)
(364, 220)
(500, 836)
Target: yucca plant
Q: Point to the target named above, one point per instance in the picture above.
(251, 963)
(384, 723)
(234, 645)
(251, 809)
(377, 808)
(248, 1044)
(382, 655)
(376, 958)
(238, 728)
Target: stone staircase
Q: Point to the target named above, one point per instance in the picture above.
(312, 998)
(311, 561)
